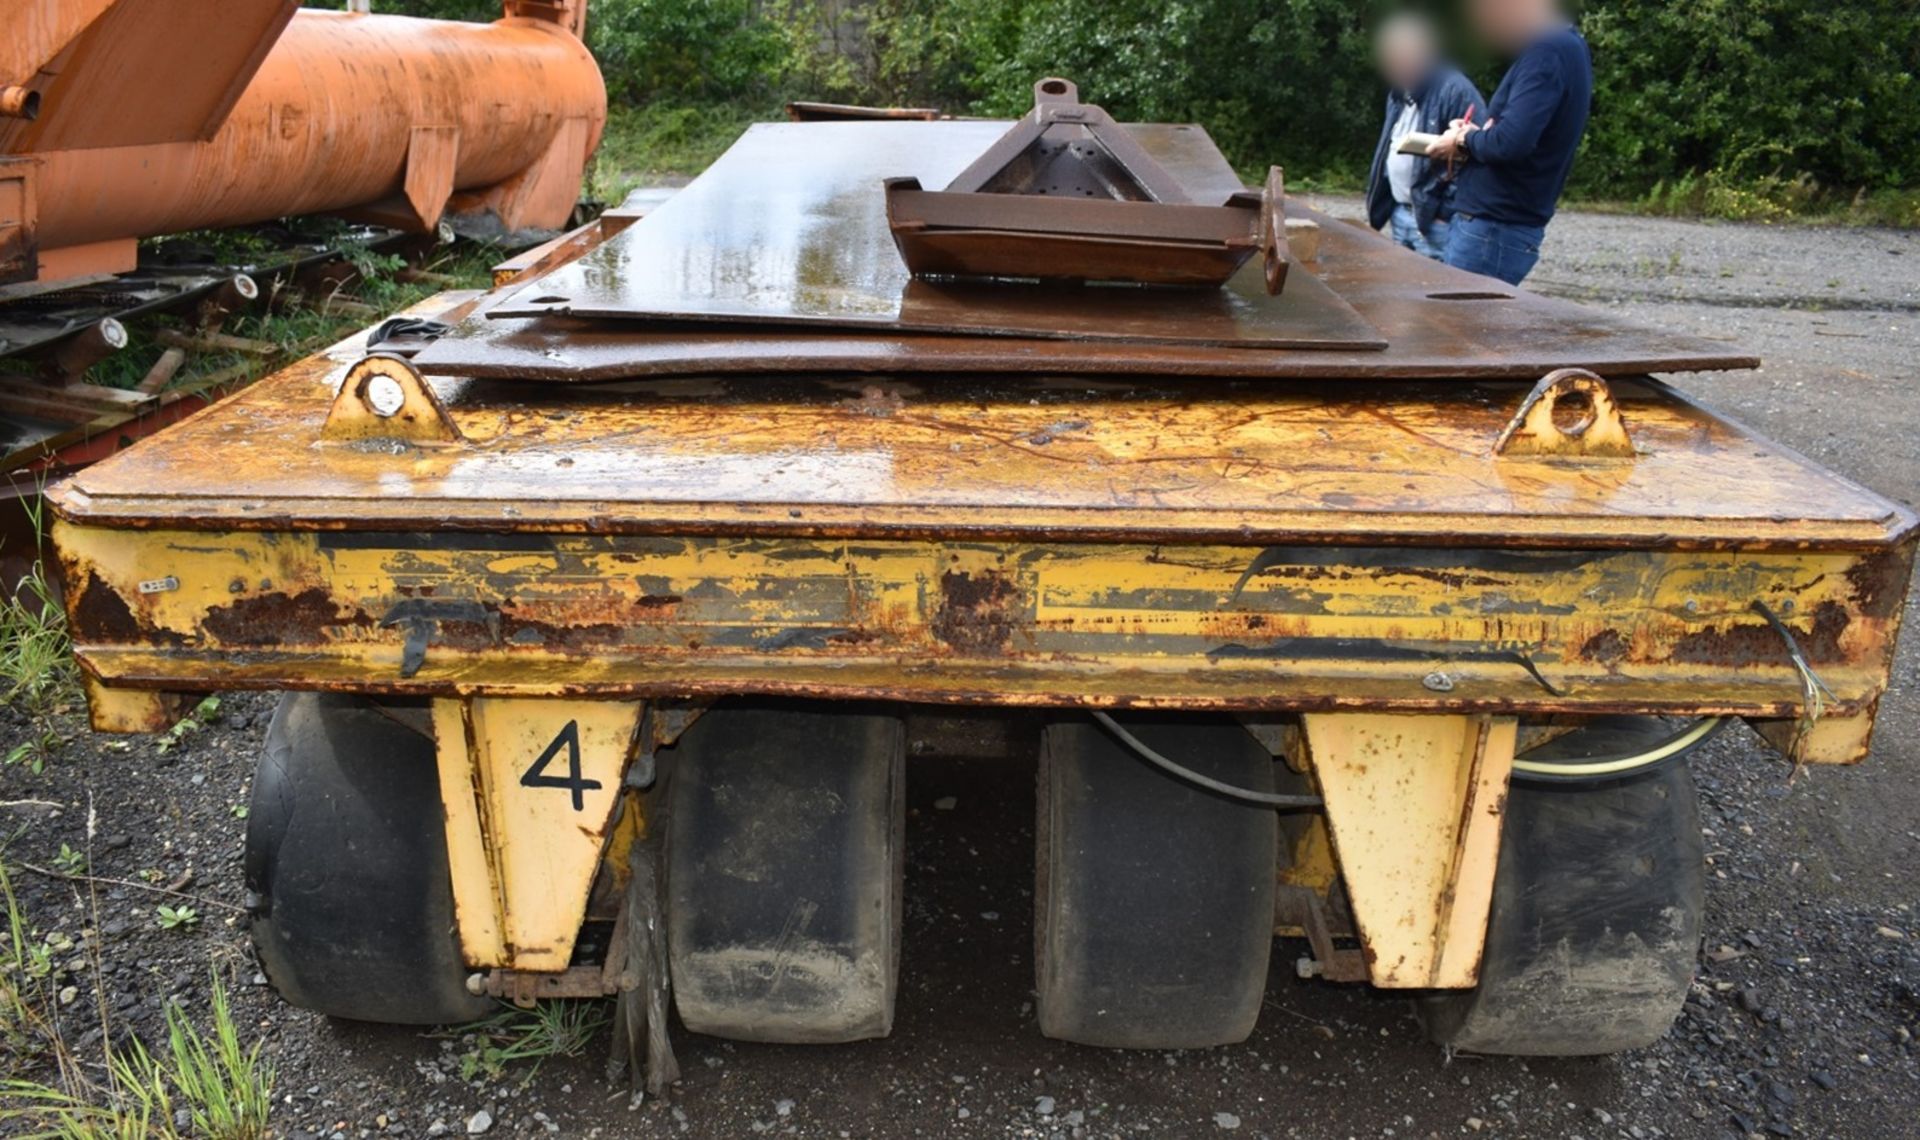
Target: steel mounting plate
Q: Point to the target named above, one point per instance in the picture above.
(1067, 194)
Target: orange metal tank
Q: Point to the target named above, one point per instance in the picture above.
(386, 117)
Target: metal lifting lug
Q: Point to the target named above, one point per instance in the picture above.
(383, 398)
(1595, 430)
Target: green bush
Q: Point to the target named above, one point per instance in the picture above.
(1748, 102)
(1753, 89)
(683, 49)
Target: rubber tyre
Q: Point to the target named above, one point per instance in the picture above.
(1153, 900)
(348, 892)
(785, 855)
(1595, 925)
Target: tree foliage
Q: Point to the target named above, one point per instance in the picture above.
(1728, 90)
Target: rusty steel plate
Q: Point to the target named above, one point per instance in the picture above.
(1440, 323)
(789, 227)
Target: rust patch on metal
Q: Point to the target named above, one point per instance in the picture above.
(977, 611)
(278, 618)
(1755, 643)
(100, 614)
(1879, 583)
(877, 401)
(1609, 647)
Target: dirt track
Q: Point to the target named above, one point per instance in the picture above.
(1801, 1024)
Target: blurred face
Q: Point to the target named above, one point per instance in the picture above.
(1405, 53)
(1509, 25)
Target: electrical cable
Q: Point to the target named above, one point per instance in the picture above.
(1667, 751)
(1672, 749)
(1246, 795)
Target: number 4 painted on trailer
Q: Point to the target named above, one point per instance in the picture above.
(536, 776)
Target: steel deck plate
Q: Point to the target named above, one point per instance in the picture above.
(789, 227)
(1467, 336)
(1439, 323)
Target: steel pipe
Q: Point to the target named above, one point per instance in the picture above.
(327, 124)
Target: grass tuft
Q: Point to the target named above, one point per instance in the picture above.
(36, 656)
(26, 964)
(203, 1086)
(549, 1029)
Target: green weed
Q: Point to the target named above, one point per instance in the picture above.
(203, 714)
(69, 861)
(221, 1088)
(36, 751)
(25, 965)
(549, 1029)
(1775, 198)
(36, 655)
(181, 917)
(228, 1090)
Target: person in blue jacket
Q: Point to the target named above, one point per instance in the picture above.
(1513, 162)
(1411, 193)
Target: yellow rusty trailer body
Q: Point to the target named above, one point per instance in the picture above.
(1232, 545)
(1414, 567)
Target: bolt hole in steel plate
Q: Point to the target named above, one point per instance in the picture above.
(789, 228)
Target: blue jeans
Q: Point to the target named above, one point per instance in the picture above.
(1494, 249)
(1406, 231)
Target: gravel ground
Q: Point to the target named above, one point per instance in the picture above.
(1801, 1022)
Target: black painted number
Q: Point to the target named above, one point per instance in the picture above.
(536, 776)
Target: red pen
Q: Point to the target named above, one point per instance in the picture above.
(1466, 119)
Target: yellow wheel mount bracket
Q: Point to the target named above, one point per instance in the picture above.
(1414, 804)
(529, 788)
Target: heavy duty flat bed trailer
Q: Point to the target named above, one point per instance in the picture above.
(638, 606)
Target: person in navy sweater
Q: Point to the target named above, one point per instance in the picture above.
(1513, 161)
(1413, 193)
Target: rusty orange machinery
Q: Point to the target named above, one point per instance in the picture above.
(122, 119)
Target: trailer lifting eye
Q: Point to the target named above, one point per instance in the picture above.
(1569, 415)
(383, 398)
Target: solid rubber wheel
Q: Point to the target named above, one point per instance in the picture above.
(1153, 903)
(1595, 925)
(350, 900)
(785, 853)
